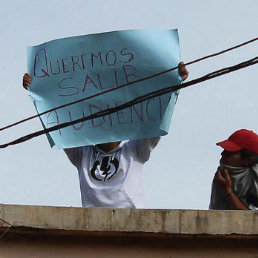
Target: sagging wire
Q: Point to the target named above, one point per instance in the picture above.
(9, 226)
(136, 101)
(129, 83)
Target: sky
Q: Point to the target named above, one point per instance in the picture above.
(181, 168)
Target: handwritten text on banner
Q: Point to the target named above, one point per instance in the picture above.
(69, 69)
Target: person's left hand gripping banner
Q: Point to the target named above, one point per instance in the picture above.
(69, 69)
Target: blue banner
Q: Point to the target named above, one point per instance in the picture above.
(69, 69)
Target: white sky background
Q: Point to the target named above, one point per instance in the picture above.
(181, 168)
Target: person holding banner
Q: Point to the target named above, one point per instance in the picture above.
(235, 184)
(111, 173)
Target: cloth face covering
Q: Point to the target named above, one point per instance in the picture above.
(244, 185)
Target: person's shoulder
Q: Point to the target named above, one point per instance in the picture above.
(128, 145)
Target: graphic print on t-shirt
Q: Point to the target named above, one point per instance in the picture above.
(104, 168)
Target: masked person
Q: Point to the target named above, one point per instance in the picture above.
(235, 184)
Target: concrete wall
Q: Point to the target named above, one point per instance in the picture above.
(33, 231)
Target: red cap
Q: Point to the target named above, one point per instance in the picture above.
(241, 139)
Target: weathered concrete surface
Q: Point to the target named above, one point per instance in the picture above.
(190, 222)
(34, 231)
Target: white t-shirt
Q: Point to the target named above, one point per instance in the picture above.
(113, 179)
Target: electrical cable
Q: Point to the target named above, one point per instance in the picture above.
(127, 84)
(136, 100)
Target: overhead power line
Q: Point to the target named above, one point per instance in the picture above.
(136, 100)
(129, 83)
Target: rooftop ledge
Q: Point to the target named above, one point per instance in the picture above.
(87, 220)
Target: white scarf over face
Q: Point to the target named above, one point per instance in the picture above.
(244, 186)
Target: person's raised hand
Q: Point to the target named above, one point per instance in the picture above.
(26, 81)
(182, 71)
